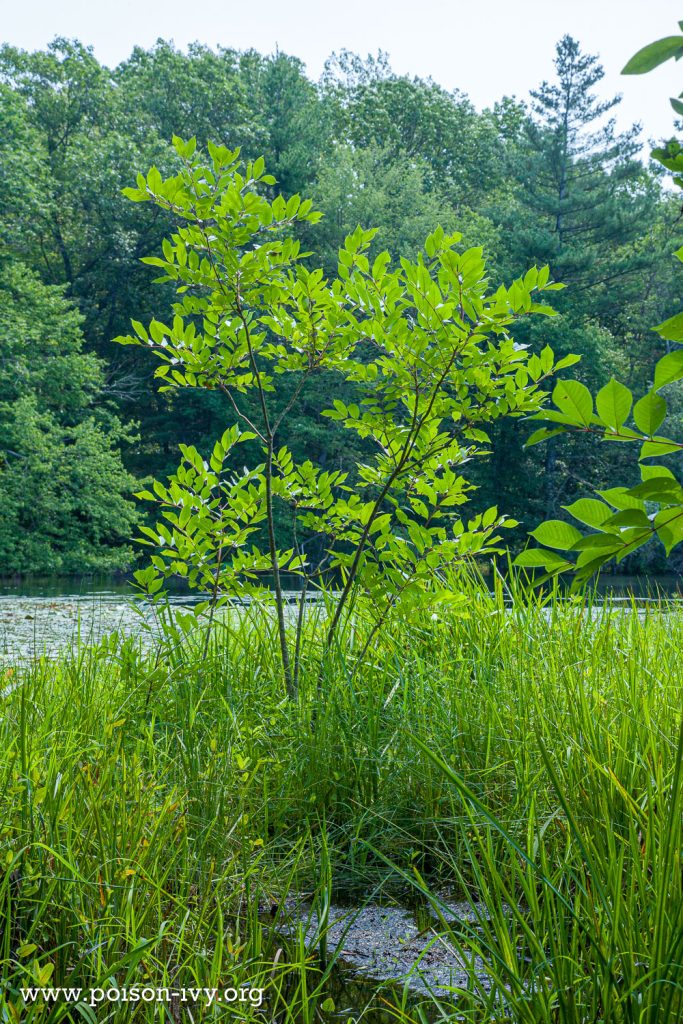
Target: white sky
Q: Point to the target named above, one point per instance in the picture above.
(487, 48)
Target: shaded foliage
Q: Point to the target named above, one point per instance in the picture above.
(65, 495)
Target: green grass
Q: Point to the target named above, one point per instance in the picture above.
(525, 755)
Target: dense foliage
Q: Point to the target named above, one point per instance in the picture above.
(426, 348)
(66, 497)
(548, 182)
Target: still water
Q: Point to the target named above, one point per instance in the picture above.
(42, 615)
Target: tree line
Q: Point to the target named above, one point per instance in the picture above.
(546, 181)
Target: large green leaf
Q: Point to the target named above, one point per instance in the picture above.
(648, 472)
(669, 526)
(660, 489)
(589, 511)
(632, 540)
(629, 517)
(574, 400)
(657, 447)
(597, 542)
(556, 534)
(542, 435)
(539, 558)
(668, 369)
(654, 54)
(613, 403)
(671, 329)
(620, 498)
(649, 412)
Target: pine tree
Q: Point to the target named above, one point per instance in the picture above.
(584, 181)
(584, 205)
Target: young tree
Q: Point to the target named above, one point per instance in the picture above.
(427, 345)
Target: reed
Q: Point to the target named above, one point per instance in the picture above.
(517, 749)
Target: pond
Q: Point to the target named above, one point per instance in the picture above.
(44, 614)
(41, 615)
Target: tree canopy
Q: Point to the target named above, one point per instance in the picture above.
(546, 181)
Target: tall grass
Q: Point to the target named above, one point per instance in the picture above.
(519, 750)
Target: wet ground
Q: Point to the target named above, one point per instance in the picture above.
(384, 944)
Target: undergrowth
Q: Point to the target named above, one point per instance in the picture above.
(159, 805)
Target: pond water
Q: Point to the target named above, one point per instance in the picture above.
(41, 615)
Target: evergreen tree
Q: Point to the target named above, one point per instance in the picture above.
(298, 125)
(582, 201)
(583, 204)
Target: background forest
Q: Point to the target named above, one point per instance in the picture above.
(549, 180)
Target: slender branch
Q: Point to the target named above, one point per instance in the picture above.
(214, 599)
(238, 412)
(411, 440)
(277, 584)
(290, 405)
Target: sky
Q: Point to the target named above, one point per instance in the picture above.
(486, 48)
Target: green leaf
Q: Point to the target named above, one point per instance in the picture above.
(634, 539)
(539, 558)
(648, 472)
(574, 400)
(589, 511)
(654, 54)
(668, 369)
(654, 484)
(588, 563)
(669, 527)
(556, 534)
(649, 412)
(620, 498)
(542, 435)
(613, 403)
(569, 360)
(671, 329)
(657, 488)
(629, 517)
(658, 446)
(598, 543)
(135, 195)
